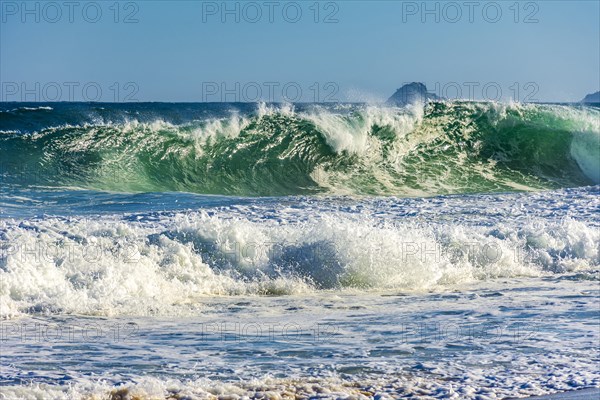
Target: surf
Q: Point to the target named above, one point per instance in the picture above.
(275, 150)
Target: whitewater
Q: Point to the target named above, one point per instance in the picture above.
(350, 251)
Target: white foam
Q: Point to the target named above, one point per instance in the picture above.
(465, 385)
(33, 108)
(352, 132)
(110, 266)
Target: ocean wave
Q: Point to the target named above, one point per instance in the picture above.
(444, 148)
(165, 264)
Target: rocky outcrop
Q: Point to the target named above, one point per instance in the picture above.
(412, 93)
(592, 98)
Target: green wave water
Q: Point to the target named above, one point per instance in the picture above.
(444, 148)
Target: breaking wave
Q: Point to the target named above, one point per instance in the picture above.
(443, 148)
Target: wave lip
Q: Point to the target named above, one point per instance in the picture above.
(585, 149)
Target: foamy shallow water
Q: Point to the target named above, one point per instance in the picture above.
(186, 296)
(490, 340)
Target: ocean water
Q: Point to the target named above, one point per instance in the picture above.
(351, 251)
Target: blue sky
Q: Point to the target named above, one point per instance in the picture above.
(185, 51)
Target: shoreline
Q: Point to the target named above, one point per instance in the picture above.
(578, 394)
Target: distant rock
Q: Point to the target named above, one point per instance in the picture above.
(412, 93)
(592, 98)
